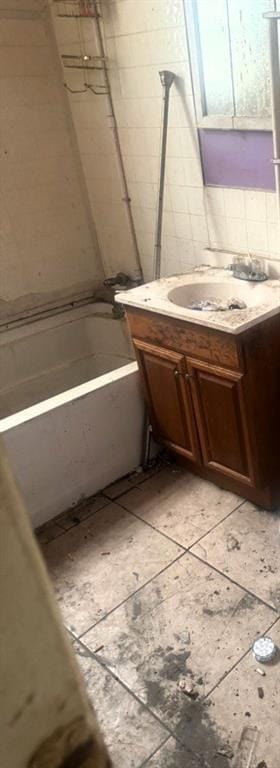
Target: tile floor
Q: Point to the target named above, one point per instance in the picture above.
(164, 581)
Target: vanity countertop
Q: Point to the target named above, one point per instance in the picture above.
(153, 297)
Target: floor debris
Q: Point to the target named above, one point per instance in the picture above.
(264, 649)
(225, 751)
(261, 672)
(232, 543)
(187, 687)
(260, 692)
(246, 748)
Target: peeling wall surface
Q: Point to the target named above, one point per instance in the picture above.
(48, 249)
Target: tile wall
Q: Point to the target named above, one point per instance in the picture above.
(243, 221)
(141, 38)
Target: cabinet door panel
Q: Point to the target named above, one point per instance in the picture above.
(168, 397)
(220, 414)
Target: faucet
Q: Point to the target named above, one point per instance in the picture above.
(248, 268)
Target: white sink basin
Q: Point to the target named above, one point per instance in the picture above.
(252, 294)
(173, 297)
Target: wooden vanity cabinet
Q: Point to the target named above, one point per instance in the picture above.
(210, 401)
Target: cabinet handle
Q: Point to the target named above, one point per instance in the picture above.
(176, 373)
(188, 376)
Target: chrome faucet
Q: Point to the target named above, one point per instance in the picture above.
(248, 268)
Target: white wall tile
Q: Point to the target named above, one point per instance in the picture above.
(257, 236)
(183, 225)
(217, 227)
(192, 171)
(179, 199)
(146, 194)
(196, 200)
(176, 171)
(199, 228)
(273, 229)
(272, 214)
(163, 13)
(237, 234)
(215, 201)
(255, 204)
(234, 203)
(168, 223)
(164, 43)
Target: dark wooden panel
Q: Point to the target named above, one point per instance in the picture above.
(262, 393)
(187, 338)
(219, 407)
(168, 398)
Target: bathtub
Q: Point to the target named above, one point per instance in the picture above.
(71, 409)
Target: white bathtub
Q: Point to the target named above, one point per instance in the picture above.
(71, 410)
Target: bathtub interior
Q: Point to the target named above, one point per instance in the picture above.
(50, 356)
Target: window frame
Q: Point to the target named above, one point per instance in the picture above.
(222, 121)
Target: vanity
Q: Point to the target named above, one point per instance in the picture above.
(211, 379)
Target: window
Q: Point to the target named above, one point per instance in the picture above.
(230, 62)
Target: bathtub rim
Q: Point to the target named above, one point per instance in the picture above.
(69, 395)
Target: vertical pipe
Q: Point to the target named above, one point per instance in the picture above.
(273, 18)
(126, 197)
(166, 80)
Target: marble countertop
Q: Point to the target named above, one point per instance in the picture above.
(153, 297)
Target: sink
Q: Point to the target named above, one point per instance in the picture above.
(251, 294)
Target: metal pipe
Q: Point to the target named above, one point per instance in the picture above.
(273, 18)
(167, 79)
(126, 198)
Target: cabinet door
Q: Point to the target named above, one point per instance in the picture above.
(168, 397)
(220, 415)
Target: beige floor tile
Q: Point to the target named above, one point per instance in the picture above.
(246, 548)
(243, 701)
(130, 732)
(180, 505)
(189, 623)
(99, 563)
(173, 755)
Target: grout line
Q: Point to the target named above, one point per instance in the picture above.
(146, 762)
(228, 672)
(165, 535)
(229, 578)
(145, 32)
(83, 504)
(78, 637)
(174, 541)
(124, 685)
(219, 523)
(114, 675)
